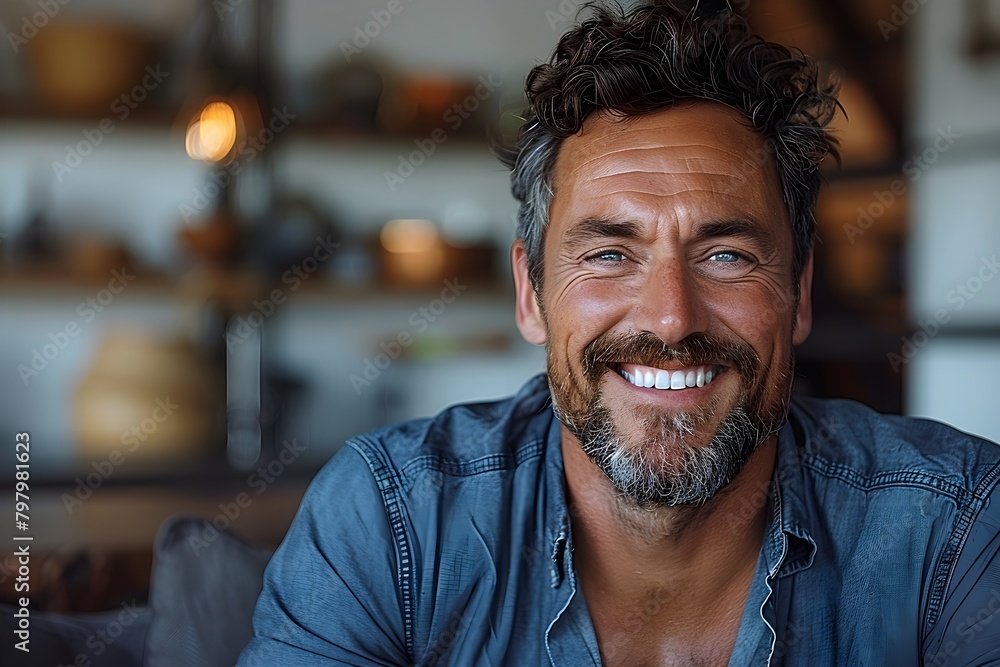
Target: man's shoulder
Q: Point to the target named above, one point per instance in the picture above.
(466, 434)
(851, 440)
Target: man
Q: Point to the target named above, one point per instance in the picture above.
(657, 498)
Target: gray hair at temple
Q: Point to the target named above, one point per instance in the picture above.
(650, 58)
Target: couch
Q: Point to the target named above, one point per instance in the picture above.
(203, 588)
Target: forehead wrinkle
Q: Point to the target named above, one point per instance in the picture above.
(667, 167)
(672, 174)
(681, 188)
(660, 194)
(699, 164)
(598, 146)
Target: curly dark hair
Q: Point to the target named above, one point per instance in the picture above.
(656, 56)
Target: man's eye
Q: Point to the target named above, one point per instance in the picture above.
(728, 257)
(607, 257)
(732, 258)
(729, 264)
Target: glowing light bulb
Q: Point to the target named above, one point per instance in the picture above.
(212, 135)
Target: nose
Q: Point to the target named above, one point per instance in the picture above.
(669, 304)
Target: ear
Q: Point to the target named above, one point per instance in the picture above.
(529, 316)
(803, 312)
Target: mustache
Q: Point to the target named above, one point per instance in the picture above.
(645, 349)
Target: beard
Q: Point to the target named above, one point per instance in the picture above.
(668, 467)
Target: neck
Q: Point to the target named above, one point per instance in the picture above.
(623, 551)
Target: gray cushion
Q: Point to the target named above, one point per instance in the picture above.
(108, 639)
(203, 590)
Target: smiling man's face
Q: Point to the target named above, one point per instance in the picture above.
(668, 304)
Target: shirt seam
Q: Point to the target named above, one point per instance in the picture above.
(956, 542)
(389, 488)
(457, 468)
(889, 479)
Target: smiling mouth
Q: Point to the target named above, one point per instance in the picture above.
(677, 379)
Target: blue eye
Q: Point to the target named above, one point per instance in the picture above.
(609, 256)
(728, 264)
(727, 257)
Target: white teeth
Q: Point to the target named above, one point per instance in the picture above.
(677, 380)
(662, 380)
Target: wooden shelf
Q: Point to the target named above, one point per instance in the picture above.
(14, 112)
(237, 284)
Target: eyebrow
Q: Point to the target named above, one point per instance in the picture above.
(591, 228)
(743, 228)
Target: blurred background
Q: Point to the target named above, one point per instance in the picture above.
(234, 233)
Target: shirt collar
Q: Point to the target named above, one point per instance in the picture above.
(789, 545)
(558, 527)
(535, 406)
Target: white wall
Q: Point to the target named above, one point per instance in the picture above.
(956, 224)
(954, 381)
(462, 36)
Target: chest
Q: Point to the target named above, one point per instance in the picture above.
(646, 634)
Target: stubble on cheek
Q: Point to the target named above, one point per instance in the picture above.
(574, 392)
(573, 397)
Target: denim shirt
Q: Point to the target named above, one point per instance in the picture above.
(447, 541)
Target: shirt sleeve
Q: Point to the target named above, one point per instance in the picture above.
(968, 631)
(329, 595)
